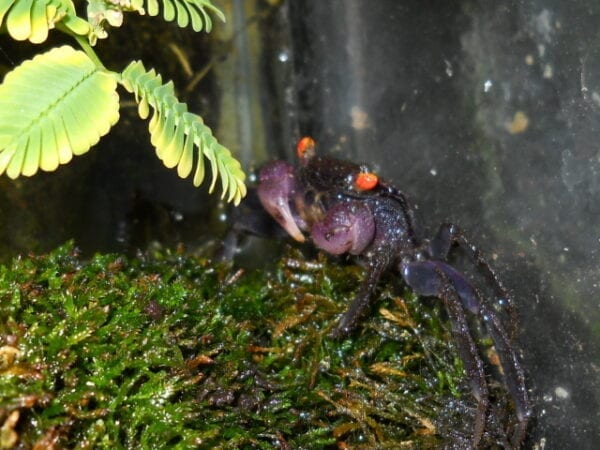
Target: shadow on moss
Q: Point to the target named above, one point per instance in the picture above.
(170, 351)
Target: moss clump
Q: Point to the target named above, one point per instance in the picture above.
(170, 351)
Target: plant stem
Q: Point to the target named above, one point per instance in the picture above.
(87, 48)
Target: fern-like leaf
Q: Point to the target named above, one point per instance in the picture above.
(32, 19)
(175, 133)
(185, 11)
(52, 107)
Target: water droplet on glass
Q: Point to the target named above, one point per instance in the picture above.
(449, 70)
(487, 85)
(283, 56)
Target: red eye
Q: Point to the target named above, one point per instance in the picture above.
(305, 148)
(365, 181)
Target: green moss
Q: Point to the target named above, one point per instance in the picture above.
(171, 351)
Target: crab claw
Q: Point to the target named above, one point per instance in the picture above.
(277, 185)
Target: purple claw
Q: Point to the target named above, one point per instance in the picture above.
(277, 186)
(347, 228)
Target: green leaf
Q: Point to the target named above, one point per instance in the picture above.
(5, 5)
(32, 19)
(18, 21)
(76, 24)
(175, 133)
(168, 10)
(196, 11)
(52, 107)
(152, 7)
(39, 23)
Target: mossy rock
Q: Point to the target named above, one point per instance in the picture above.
(172, 351)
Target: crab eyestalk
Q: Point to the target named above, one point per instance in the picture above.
(305, 149)
(276, 188)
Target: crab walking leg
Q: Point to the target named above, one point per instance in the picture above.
(514, 376)
(439, 248)
(361, 302)
(513, 372)
(429, 278)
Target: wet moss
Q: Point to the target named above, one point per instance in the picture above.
(167, 350)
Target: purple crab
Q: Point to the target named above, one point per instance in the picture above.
(343, 207)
